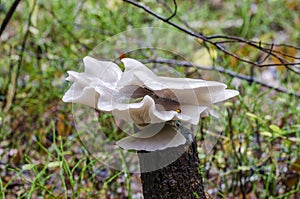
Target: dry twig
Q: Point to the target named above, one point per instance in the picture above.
(218, 41)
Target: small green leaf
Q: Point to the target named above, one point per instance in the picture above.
(28, 167)
(228, 104)
(201, 156)
(266, 133)
(244, 168)
(35, 13)
(275, 128)
(54, 164)
(251, 115)
(294, 139)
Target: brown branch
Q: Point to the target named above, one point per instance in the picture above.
(210, 40)
(257, 43)
(177, 18)
(234, 38)
(266, 50)
(9, 15)
(267, 56)
(12, 90)
(175, 11)
(221, 70)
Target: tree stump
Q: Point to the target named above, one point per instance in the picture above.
(179, 179)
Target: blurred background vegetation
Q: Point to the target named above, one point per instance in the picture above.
(258, 154)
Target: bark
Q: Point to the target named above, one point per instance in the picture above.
(179, 179)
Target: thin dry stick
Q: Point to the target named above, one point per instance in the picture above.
(211, 40)
(8, 15)
(12, 90)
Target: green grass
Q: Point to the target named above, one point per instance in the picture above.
(41, 153)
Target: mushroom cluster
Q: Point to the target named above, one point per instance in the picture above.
(138, 95)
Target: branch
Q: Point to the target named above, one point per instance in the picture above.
(228, 39)
(12, 89)
(175, 11)
(164, 3)
(221, 70)
(9, 15)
